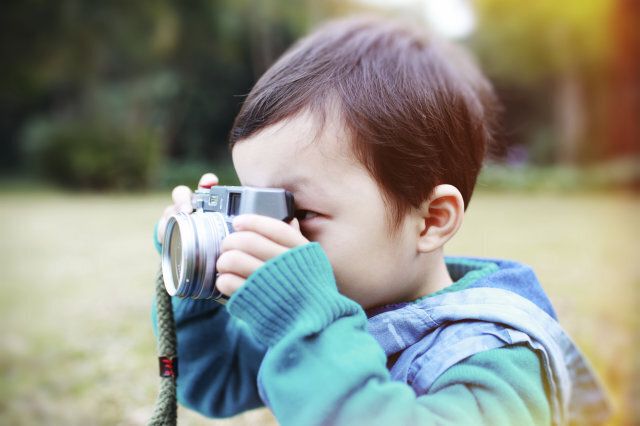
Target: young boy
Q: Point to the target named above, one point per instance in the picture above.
(351, 314)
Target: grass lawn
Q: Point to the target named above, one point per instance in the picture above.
(78, 270)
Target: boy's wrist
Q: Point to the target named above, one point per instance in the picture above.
(293, 292)
(186, 307)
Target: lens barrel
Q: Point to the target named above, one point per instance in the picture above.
(190, 250)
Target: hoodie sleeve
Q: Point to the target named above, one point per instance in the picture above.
(218, 357)
(323, 367)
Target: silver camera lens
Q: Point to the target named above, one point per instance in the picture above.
(191, 247)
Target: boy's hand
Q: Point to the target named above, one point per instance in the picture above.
(256, 240)
(182, 196)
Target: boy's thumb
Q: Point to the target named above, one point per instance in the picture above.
(294, 222)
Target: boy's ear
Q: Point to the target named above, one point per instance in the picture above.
(440, 217)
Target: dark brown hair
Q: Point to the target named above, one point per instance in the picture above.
(417, 110)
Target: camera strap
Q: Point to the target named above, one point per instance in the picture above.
(165, 412)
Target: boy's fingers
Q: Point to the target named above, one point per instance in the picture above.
(237, 262)
(181, 195)
(273, 229)
(254, 244)
(295, 224)
(207, 181)
(184, 208)
(227, 284)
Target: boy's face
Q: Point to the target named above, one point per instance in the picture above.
(345, 209)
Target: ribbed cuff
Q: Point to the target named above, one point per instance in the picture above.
(295, 291)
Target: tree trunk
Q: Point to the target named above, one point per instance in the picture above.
(624, 103)
(569, 117)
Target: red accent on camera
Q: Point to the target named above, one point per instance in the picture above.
(168, 366)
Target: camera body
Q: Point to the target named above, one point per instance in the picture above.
(192, 242)
(232, 201)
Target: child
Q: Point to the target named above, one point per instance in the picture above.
(379, 132)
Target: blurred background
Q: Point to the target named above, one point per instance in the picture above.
(106, 105)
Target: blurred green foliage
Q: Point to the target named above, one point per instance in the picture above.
(110, 139)
(568, 74)
(528, 43)
(99, 94)
(189, 172)
(95, 154)
(610, 177)
(112, 94)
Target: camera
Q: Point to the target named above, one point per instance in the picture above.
(192, 242)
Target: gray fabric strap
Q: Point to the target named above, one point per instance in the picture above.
(166, 410)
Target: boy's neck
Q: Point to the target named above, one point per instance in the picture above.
(429, 275)
(435, 275)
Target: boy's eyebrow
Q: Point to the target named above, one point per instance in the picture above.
(296, 184)
(288, 184)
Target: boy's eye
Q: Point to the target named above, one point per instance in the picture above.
(305, 214)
